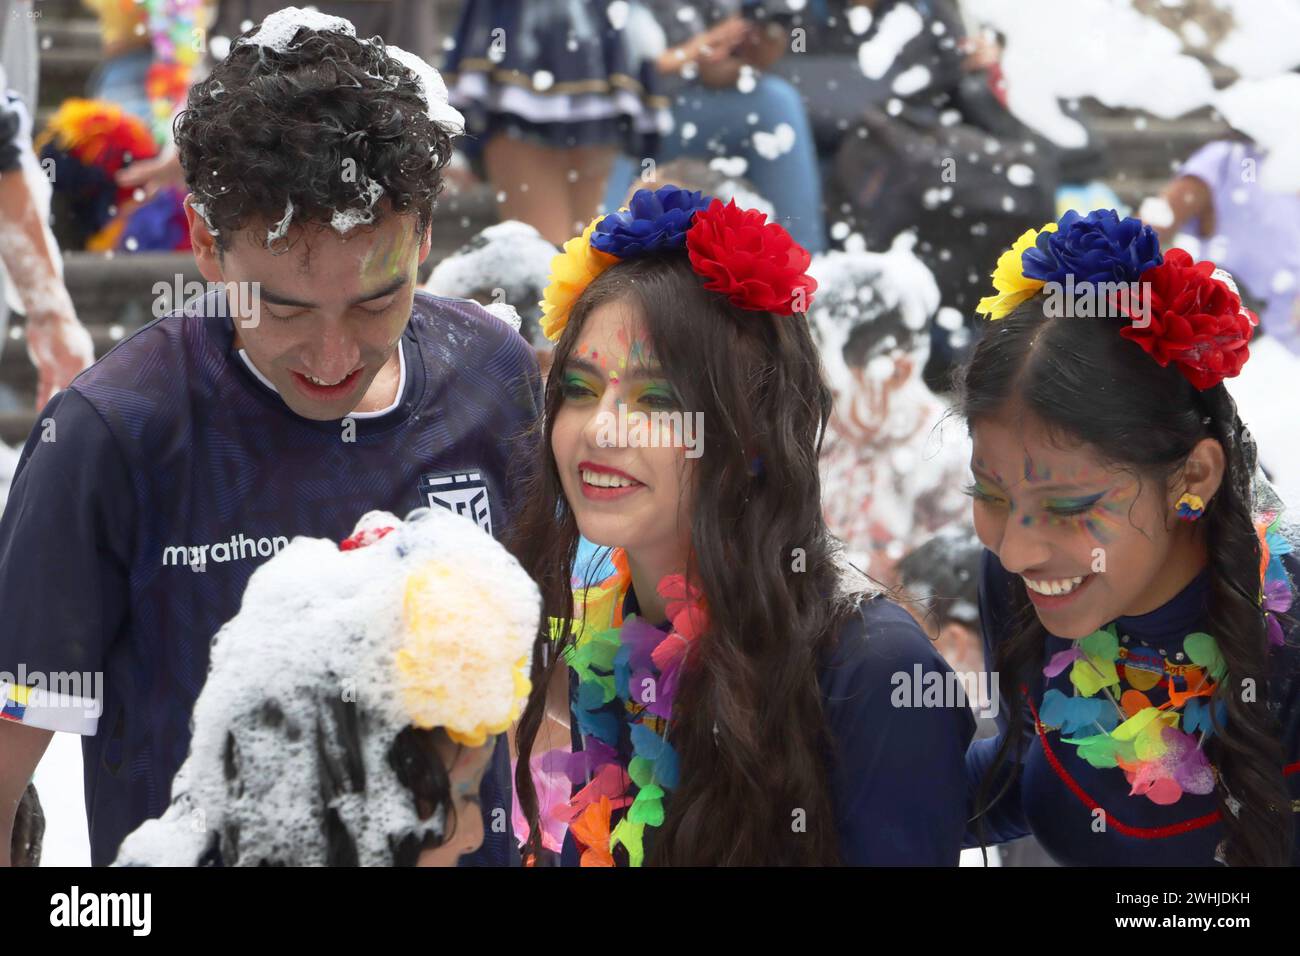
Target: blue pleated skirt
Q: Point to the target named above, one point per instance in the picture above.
(560, 73)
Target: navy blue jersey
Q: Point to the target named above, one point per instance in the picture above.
(896, 768)
(154, 486)
(1041, 803)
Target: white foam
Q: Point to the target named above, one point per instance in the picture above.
(319, 625)
(345, 220)
(1268, 111)
(277, 30)
(1120, 57)
(900, 279)
(433, 89)
(912, 80)
(282, 227)
(506, 312)
(898, 26)
(505, 259)
(776, 143)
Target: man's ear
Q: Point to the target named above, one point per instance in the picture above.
(1203, 471)
(425, 245)
(204, 244)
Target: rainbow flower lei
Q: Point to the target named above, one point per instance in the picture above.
(628, 672)
(753, 262)
(1276, 588)
(1160, 748)
(1160, 759)
(1189, 313)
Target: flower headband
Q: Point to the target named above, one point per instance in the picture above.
(1193, 318)
(753, 262)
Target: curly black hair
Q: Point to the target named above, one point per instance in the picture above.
(315, 124)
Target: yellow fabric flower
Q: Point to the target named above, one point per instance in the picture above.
(571, 271)
(461, 666)
(1009, 279)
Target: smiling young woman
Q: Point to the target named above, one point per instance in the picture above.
(731, 686)
(1134, 586)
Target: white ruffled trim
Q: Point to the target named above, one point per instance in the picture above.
(473, 89)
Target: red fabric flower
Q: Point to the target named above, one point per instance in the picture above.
(1196, 321)
(753, 262)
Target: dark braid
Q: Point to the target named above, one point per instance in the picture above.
(1248, 751)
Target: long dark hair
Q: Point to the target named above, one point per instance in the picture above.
(748, 723)
(1088, 384)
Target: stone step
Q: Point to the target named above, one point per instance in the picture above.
(77, 33)
(57, 10)
(1149, 147)
(64, 73)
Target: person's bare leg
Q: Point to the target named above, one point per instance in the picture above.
(533, 179)
(591, 164)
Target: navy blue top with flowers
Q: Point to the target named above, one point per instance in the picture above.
(897, 773)
(1041, 804)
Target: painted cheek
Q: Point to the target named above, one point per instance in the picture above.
(988, 527)
(564, 440)
(1105, 522)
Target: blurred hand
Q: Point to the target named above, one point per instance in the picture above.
(723, 37)
(60, 347)
(714, 46)
(154, 174)
(720, 73)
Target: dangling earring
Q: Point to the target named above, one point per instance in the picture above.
(1190, 507)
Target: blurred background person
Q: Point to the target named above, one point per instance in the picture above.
(551, 91)
(58, 344)
(891, 476)
(727, 106)
(1217, 208)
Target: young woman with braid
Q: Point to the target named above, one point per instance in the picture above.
(1136, 585)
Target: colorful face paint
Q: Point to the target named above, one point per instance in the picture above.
(1097, 513)
(611, 422)
(388, 260)
(1079, 519)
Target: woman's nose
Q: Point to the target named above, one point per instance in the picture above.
(1022, 548)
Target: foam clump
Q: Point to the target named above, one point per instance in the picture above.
(277, 30)
(506, 312)
(511, 262)
(433, 89)
(338, 648)
(345, 220)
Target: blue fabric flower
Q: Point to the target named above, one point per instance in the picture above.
(654, 221)
(1098, 247)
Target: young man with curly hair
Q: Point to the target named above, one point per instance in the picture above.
(310, 385)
